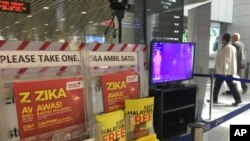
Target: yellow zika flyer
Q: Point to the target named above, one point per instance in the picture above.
(111, 126)
(140, 112)
(151, 137)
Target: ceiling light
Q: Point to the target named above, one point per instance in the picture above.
(29, 16)
(34, 28)
(46, 24)
(0, 30)
(90, 22)
(61, 40)
(7, 27)
(72, 26)
(62, 19)
(45, 32)
(16, 22)
(24, 31)
(84, 12)
(45, 7)
(57, 29)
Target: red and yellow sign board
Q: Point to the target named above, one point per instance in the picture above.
(118, 86)
(50, 105)
(14, 6)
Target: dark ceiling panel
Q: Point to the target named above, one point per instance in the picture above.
(75, 22)
(186, 2)
(34, 28)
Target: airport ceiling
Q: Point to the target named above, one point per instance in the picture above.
(57, 19)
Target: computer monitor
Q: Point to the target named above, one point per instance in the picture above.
(171, 62)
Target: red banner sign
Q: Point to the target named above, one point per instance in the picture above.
(50, 106)
(15, 6)
(118, 86)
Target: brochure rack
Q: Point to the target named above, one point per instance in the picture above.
(100, 67)
(45, 102)
(42, 77)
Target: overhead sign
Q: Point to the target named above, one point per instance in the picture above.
(171, 29)
(15, 6)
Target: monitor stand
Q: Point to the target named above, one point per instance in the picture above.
(171, 85)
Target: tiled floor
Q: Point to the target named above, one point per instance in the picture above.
(221, 132)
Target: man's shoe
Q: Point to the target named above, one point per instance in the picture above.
(244, 91)
(236, 103)
(227, 93)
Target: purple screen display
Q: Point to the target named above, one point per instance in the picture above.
(171, 61)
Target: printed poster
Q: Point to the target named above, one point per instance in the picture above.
(118, 86)
(50, 109)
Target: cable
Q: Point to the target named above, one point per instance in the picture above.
(107, 29)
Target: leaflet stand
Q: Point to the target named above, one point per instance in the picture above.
(96, 64)
(38, 101)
